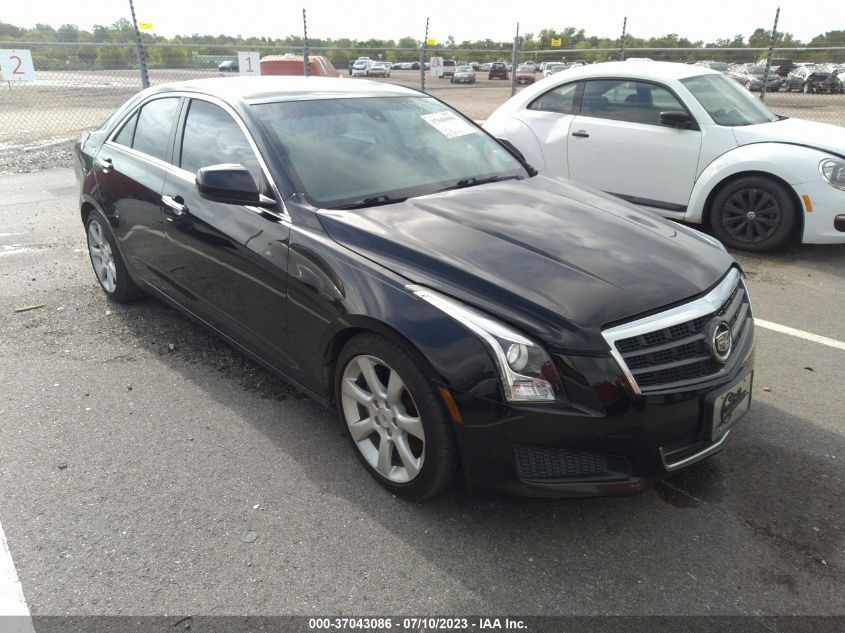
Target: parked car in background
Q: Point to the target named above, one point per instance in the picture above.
(722, 67)
(463, 75)
(229, 66)
(751, 77)
(498, 70)
(361, 67)
(485, 66)
(475, 66)
(449, 66)
(687, 143)
(781, 67)
(378, 69)
(818, 78)
(525, 74)
(454, 342)
(554, 67)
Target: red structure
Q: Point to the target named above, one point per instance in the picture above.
(318, 66)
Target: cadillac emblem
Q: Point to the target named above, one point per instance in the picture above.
(719, 339)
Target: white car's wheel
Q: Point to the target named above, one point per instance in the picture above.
(753, 213)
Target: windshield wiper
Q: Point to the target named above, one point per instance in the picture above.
(472, 182)
(371, 201)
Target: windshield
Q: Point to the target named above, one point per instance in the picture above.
(360, 65)
(727, 102)
(342, 151)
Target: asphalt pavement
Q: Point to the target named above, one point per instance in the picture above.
(147, 468)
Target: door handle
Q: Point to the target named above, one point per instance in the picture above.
(177, 205)
(104, 164)
(581, 134)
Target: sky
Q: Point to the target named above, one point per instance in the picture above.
(467, 20)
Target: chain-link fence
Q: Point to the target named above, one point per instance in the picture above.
(77, 86)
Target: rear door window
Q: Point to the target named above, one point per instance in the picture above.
(128, 132)
(561, 99)
(152, 131)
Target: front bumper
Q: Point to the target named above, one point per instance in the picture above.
(605, 442)
(825, 224)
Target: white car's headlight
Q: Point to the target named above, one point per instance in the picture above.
(833, 170)
(526, 371)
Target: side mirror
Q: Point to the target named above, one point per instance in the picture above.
(227, 183)
(677, 118)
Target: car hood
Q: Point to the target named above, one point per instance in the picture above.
(830, 138)
(555, 260)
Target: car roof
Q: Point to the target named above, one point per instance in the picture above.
(285, 88)
(655, 71)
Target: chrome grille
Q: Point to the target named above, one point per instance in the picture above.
(669, 349)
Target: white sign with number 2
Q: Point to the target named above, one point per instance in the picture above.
(16, 65)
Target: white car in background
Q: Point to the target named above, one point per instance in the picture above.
(554, 67)
(688, 143)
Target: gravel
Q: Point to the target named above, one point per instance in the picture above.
(20, 158)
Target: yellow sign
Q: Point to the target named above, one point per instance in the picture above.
(430, 41)
(556, 42)
(146, 26)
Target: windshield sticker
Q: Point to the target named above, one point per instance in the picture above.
(448, 124)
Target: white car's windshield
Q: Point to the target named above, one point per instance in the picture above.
(345, 152)
(727, 102)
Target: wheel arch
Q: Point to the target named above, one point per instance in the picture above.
(355, 325)
(714, 191)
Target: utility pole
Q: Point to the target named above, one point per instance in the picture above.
(769, 56)
(622, 41)
(423, 48)
(513, 60)
(139, 49)
(306, 70)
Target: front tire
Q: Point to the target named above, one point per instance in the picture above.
(394, 417)
(107, 262)
(753, 213)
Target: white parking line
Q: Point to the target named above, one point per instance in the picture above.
(807, 336)
(12, 601)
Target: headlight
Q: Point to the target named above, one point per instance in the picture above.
(526, 371)
(833, 170)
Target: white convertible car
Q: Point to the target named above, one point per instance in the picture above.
(688, 143)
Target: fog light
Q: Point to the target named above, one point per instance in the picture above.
(839, 223)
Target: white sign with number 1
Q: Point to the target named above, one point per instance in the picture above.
(248, 64)
(16, 65)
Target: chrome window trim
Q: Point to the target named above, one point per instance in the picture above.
(710, 302)
(174, 169)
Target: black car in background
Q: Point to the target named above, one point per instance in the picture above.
(228, 66)
(498, 70)
(457, 310)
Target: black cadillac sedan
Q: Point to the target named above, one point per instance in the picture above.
(460, 312)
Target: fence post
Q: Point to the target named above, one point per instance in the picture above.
(423, 46)
(306, 70)
(769, 56)
(139, 49)
(622, 41)
(513, 60)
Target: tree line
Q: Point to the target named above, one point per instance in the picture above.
(71, 47)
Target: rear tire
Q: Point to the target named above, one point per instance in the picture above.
(753, 213)
(394, 417)
(107, 262)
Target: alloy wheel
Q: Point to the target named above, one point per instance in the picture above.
(382, 418)
(751, 215)
(102, 257)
